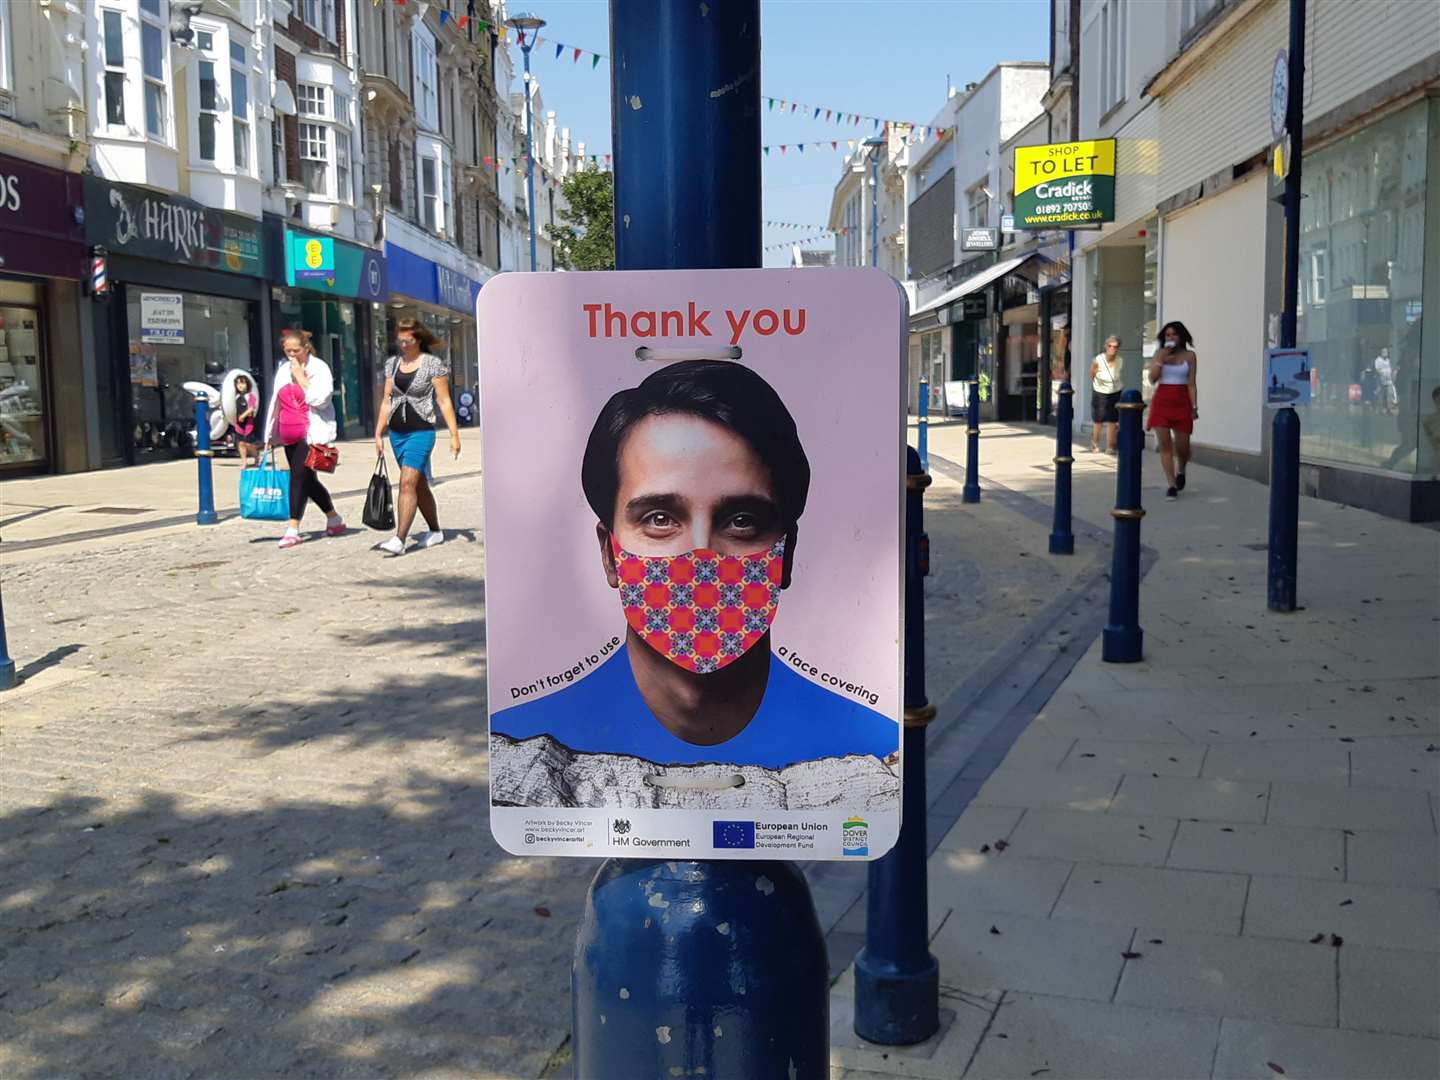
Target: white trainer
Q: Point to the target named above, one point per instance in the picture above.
(431, 539)
(394, 546)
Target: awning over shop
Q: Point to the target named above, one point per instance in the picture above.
(927, 313)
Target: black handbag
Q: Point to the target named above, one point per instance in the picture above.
(379, 505)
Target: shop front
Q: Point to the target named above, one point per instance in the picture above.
(184, 305)
(437, 284)
(42, 262)
(333, 288)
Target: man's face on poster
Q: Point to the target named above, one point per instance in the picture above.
(688, 483)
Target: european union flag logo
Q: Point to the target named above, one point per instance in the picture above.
(734, 834)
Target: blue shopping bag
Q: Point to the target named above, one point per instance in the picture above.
(265, 492)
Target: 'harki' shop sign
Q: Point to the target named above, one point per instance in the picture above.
(1065, 184)
(129, 220)
(693, 592)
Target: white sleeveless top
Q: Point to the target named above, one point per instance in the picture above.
(1175, 374)
(1107, 375)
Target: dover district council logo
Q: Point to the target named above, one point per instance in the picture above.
(855, 837)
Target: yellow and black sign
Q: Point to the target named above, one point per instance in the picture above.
(1064, 184)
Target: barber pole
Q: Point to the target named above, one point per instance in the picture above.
(99, 279)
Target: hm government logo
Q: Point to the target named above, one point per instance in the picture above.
(855, 837)
(621, 826)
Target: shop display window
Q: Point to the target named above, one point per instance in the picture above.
(22, 387)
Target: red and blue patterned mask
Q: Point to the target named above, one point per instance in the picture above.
(701, 610)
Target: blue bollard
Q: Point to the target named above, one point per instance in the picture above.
(923, 425)
(1123, 640)
(713, 969)
(1284, 510)
(971, 491)
(206, 514)
(751, 999)
(1062, 537)
(897, 981)
(7, 665)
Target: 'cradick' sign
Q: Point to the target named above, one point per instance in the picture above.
(1064, 184)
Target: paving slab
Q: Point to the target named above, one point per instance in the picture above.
(1148, 896)
(1048, 788)
(1179, 758)
(1259, 849)
(1181, 797)
(994, 881)
(964, 1018)
(1231, 976)
(1056, 1038)
(1081, 835)
(1056, 956)
(1299, 760)
(1380, 915)
(1390, 990)
(1325, 806)
(1389, 858)
(1250, 1051)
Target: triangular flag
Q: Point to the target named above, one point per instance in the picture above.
(793, 106)
(558, 50)
(444, 16)
(817, 114)
(782, 149)
(576, 58)
(801, 146)
(504, 32)
(850, 143)
(400, 2)
(877, 124)
(594, 61)
(607, 159)
(771, 101)
(767, 150)
(464, 21)
(834, 144)
(827, 116)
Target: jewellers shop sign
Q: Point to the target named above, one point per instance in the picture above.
(1063, 185)
(129, 220)
(42, 227)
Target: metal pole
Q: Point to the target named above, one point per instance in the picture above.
(526, 43)
(923, 434)
(874, 206)
(971, 492)
(1062, 538)
(734, 981)
(206, 514)
(1285, 444)
(1284, 511)
(7, 665)
(1123, 640)
(897, 980)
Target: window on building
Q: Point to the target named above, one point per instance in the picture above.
(433, 169)
(1113, 46)
(1194, 12)
(342, 167)
(315, 158)
(7, 80)
(240, 104)
(310, 100)
(209, 109)
(150, 7)
(277, 151)
(319, 15)
(424, 90)
(1060, 17)
(113, 29)
(396, 194)
(152, 61)
(978, 201)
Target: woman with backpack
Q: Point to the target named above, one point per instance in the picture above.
(302, 415)
(416, 383)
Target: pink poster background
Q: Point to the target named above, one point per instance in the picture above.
(544, 380)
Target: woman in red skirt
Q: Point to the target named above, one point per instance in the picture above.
(1176, 405)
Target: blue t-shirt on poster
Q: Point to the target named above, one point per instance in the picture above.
(604, 713)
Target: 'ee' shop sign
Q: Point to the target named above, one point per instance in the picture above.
(1064, 184)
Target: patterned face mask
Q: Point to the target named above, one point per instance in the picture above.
(701, 610)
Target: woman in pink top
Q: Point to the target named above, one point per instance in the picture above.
(301, 413)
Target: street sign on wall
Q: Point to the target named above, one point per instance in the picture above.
(693, 562)
(1065, 184)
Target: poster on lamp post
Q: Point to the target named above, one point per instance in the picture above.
(693, 519)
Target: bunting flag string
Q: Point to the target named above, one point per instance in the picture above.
(797, 240)
(910, 139)
(795, 225)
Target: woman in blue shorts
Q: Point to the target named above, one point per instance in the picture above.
(416, 383)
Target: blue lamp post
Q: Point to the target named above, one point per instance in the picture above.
(527, 26)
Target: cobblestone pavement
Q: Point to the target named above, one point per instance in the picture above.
(243, 806)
